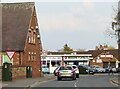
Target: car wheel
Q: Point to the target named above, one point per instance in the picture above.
(74, 77)
(77, 75)
(58, 78)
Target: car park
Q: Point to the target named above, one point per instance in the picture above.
(66, 72)
(45, 69)
(85, 69)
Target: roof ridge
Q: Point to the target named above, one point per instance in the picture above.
(20, 5)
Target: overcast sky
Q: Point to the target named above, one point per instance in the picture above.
(80, 24)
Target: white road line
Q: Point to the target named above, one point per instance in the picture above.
(75, 84)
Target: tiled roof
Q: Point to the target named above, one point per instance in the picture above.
(94, 53)
(15, 23)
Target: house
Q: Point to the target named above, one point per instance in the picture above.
(104, 58)
(20, 33)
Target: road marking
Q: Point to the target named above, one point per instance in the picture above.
(75, 85)
(40, 82)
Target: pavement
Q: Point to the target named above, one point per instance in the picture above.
(28, 82)
(116, 80)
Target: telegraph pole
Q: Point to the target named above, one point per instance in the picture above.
(118, 33)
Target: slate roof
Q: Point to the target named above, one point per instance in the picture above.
(15, 23)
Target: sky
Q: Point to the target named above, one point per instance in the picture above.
(82, 24)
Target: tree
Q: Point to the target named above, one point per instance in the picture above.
(116, 28)
(67, 48)
(111, 47)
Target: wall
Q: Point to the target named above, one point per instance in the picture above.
(33, 48)
(18, 72)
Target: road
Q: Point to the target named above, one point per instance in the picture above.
(97, 80)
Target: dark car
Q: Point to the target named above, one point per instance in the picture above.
(107, 70)
(111, 69)
(85, 69)
(118, 70)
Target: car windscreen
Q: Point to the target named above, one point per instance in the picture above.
(74, 67)
(44, 67)
(65, 68)
(97, 67)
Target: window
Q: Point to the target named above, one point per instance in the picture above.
(34, 35)
(31, 37)
(32, 56)
(29, 56)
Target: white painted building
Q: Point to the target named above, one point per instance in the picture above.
(54, 60)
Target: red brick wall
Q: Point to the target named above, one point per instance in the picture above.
(35, 48)
(18, 72)
(95, 63)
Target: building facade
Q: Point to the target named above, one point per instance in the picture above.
(20, 33)
(102, 58)
(105, 58)
(55, 59)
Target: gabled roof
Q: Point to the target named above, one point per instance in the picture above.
(15, 23)
(95, 53)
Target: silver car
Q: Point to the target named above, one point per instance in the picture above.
(66, 72)
(76, 70)
(98, 69)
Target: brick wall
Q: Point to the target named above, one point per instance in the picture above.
(18, 72)
(33, 48)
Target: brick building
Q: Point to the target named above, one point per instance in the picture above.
(20, 33)
(104, 58)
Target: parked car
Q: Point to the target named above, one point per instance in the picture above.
(66, 72)
(45, 69)
(98, 69)
(56, 71)
(114, 70)
(85, 69)
(76, 70)
(107, 70)
(118, 70)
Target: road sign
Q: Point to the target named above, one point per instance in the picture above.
(10, 54)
